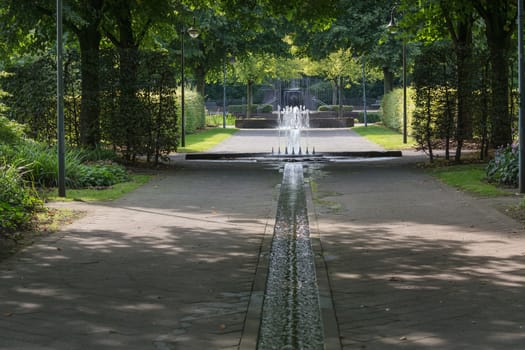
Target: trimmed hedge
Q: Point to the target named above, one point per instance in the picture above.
(392, 107)
(371, 117)
(261, 108)
(335, 108)
(194, 110)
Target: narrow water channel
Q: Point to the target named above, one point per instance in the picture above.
(291, 316)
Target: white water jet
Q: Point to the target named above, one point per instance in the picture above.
(293, 123)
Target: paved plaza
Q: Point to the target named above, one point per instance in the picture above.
(403, 261)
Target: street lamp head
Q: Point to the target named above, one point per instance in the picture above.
(391, 27)
(193, 32)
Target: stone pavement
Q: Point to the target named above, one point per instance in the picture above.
(406, 262)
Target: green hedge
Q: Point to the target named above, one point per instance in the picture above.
(371, 117)
(392, 107)
(335, 108)
(194, 110)
(261, 108)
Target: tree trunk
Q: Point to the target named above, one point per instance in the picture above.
(200, 77)
(249, 99)
(89, 40)
(499, 17)
(388, 80)
(500, 116)
(335, 89)
(461, 33)
(128, 55)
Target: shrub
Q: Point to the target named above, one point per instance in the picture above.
(392, 106)
(504, 167)
(335, 108)
(10, 132)
(262, 108)
(370, 117)
(217, 120)
(194, 110)
(18, 201)
(97, 175)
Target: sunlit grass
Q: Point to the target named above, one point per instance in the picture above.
(104, 194)
(470, 178)
(385, 137)
(204, 140)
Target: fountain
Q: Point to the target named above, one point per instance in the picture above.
(292, 123)
(291, 316)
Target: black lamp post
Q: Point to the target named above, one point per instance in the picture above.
(193, 33)
(60, 106)
(392, 28)
(521, 122)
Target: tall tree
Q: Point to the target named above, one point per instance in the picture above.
(434, 20)
(499, 17)
(82, 17)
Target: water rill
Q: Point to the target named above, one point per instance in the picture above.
(292, 123)
(291, 316)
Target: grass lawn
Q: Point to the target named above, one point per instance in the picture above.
(105, 194)
(466, 177)
(470, 178)
(385, 137)
(204, 140)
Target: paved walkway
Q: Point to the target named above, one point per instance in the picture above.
(408, 262)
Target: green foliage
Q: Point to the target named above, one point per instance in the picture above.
(504, 167)
(335, 108)
(96, 194)
(18, 200)
(383, 136)
(31, 98)
(371, 117)
(204, 140)
(261, 108)
(215, 120)
(11, 132)
(468, 177)
(392, 107)
(41, 164)
(434, 119)
(194, 110)
(100, 175)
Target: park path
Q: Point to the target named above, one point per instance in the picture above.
(406, 262)
(169, 266)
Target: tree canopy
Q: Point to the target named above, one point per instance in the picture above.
(267, 40)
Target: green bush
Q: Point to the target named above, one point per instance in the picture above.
(370, 117)
(18, 200)
(335, 108)
(42, 164)
(262, 108)
(392, 107)
(194, 111)
(504, 167)
(97, 175)
(217, 120)
(10, 132)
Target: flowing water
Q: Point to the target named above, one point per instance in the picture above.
(293, 124)
(291, 315)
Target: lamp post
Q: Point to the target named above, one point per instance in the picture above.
(60, 106)
(364, 92)
(224, 95)
(521, 122)
(392, 28)
(193, 33)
